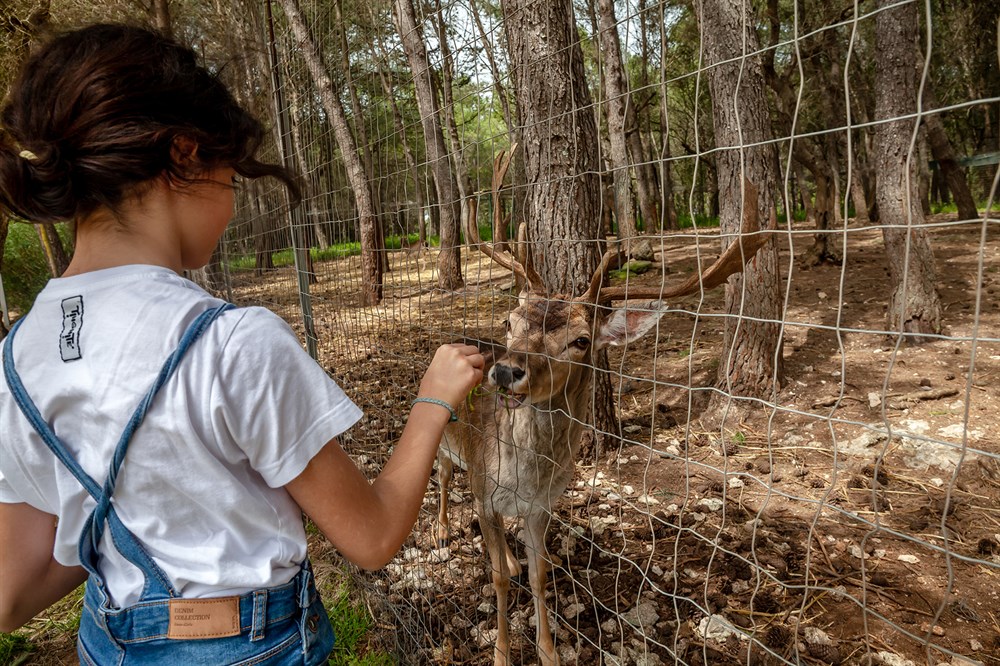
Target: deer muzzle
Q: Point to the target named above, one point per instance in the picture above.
(510, 382)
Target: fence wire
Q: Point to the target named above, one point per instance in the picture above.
(850, 513)
(849, 516)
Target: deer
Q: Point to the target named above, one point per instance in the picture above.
(518, 435)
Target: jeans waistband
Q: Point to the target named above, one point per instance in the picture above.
(150, 620)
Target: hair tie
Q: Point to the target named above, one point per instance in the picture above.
(23, 153)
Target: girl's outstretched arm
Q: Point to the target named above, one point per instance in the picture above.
(368, 521)
(30, 578)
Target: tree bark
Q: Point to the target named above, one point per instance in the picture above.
(751, 358)
(371, 266)
(397, 121)
(615, 104)
(462, 179)
(666, 179)
(623, 119)
(449, 201)
(560, 141)
(160, 13)
(378, 237)
(914, 306)
(518, 191)
(55, 254)
(560, 161)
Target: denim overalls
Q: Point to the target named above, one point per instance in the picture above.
(267, 627)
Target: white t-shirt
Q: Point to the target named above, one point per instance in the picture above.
(202, 482)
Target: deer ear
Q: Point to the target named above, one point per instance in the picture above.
(627, 324)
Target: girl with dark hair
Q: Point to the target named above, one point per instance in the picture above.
(157, 442)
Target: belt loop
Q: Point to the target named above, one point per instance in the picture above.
(259, 615)
(305, 586)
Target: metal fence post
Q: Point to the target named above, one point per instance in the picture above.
(296, 215)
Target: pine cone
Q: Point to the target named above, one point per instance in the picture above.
(826, 652)
(778, 637)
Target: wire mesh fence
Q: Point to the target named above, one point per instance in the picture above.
(783, 476)
(850, 515)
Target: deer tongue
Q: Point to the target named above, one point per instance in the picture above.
(509, 400)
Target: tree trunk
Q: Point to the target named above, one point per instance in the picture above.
(751, 358)
(944, 154)
(449, 201)
(560, 141)
(55, 253)
(858, 195)
(666, 179)
(160, 13)
(518, 191)
(371, 266)
(822, 250)
(917, 308)
(378, 236)
(400, 127)
(621, 105)
(462, 179)
(615, 103)
(560, 159)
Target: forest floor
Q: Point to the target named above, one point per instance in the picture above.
(853, 518)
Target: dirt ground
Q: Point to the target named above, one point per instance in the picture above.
(854, 519)
(851, 509)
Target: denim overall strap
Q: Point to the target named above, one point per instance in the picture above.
(124, 541)
(119, 533)
(101, 511)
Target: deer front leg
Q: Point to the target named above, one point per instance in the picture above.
(538, 568)
(446, 469)
(496, 546)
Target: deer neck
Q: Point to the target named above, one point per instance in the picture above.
(555, 426)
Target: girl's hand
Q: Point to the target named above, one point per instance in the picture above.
(455, 370)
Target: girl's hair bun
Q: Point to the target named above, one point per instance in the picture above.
(94, 113)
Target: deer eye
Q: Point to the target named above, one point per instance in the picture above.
(506, 325)
(581, 343)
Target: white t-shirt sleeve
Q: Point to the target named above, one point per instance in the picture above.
(274, 400)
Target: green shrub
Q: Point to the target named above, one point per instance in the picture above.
(15, 649)
(25, 271)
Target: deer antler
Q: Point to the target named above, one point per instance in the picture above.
(731, 261)
(505, 259)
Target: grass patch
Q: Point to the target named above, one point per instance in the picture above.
(351, 622)
(15, 649)
(685, 221)
(286, 257)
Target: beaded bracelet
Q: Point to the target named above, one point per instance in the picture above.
(435, 401)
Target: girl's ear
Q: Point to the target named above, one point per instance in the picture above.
(184, 153)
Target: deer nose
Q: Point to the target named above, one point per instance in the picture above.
(507, 376)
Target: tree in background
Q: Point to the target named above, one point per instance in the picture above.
(371, 266)
(627, 150)
(449, 201)
(751, 357)
(914, 305)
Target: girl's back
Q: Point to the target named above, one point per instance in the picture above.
(88, 351)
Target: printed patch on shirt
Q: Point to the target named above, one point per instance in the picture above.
(69, 339)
